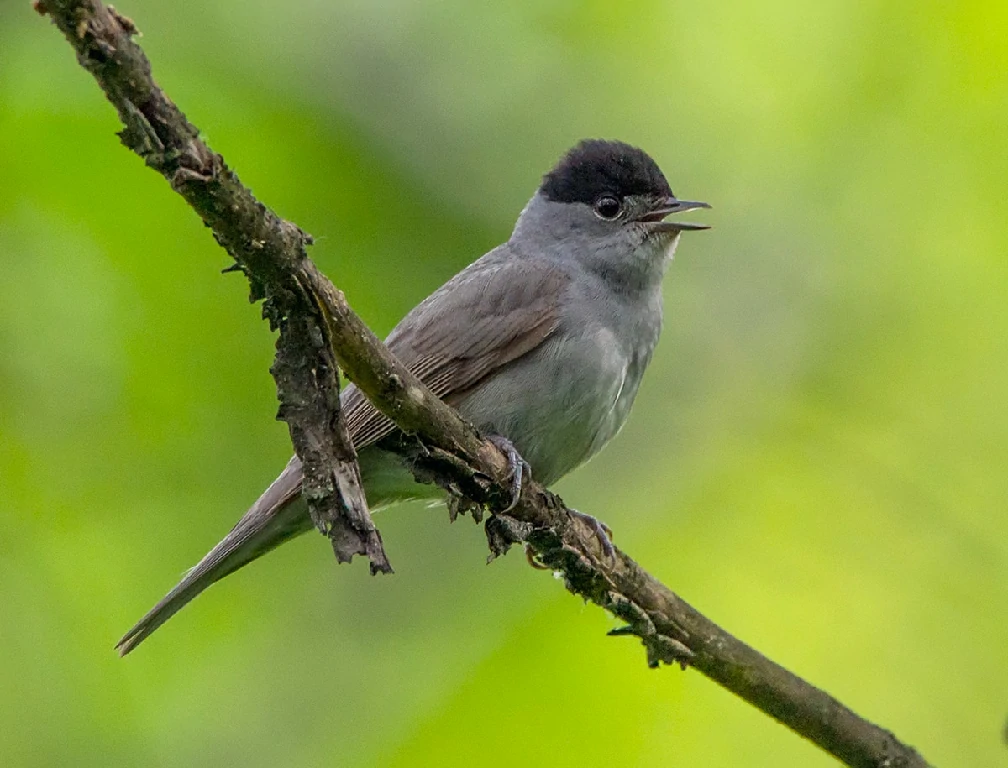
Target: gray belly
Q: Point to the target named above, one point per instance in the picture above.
(558, 405)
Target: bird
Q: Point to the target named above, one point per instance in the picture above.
(541, 344)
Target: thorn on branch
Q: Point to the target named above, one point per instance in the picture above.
(621, 631)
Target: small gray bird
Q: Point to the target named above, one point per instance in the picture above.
(540, 343)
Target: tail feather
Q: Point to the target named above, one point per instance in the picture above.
(276, 517)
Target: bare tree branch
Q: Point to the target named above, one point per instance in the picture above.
(268, 249)
(318, 330)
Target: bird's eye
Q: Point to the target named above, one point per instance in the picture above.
(607, 207)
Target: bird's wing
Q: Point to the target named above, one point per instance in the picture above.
(484, 318)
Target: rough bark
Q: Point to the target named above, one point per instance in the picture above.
(318, 330)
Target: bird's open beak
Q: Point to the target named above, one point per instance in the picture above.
(667, 206)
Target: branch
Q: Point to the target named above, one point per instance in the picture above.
(318, 330)
(269, 250)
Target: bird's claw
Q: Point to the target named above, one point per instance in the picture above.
(602, 532)
(519, 468)
(519, 471)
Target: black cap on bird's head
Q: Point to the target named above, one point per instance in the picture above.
(596, 167)
(606, 175)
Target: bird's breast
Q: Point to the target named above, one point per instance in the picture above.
(561, 403)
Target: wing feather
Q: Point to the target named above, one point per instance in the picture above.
(482, 319)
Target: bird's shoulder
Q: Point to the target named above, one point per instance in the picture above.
(496, 310)
(502, 296)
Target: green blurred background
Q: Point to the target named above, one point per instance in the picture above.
(817, 459)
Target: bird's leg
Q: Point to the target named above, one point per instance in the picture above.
(520, 468)
(602, 532)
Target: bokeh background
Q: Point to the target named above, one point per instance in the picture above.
(817, 459)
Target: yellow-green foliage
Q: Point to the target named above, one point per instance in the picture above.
(817, 459)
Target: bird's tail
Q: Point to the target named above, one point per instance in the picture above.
(275, 517)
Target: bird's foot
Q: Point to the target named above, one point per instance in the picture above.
(520, 468)
(602, 532)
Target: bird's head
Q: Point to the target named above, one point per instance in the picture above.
(608, 201)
